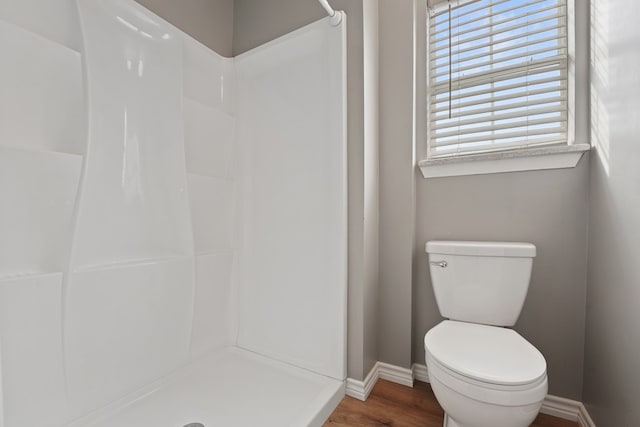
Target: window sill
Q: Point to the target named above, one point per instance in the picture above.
(556, 157)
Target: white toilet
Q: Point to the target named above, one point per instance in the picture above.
(482, 373)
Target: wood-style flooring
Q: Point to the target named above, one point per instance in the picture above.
(395, 405)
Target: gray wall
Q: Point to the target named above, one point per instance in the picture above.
(208, 21)
(612, 352)
(256, 22)
(371, 302)
(259, 21)
(397, 191)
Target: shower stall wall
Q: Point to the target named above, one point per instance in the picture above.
(173, 223)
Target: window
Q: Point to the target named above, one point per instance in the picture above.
(497, 75)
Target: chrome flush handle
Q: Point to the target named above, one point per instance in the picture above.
(442, 264)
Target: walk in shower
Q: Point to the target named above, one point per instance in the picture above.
(173, 223)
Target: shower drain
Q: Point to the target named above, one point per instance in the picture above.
(194, 425)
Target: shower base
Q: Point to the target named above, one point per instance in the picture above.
(231, 388)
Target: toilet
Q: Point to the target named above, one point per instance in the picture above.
(483, 373)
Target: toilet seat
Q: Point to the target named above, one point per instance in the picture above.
(486, 392)
(488, 354)
(486, 363)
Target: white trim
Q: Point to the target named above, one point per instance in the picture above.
(395, 374)
(560, 407)
(555, 157)
(584, 419)
(567, 409)
(420, 372)
(361, 389)
(555, 406)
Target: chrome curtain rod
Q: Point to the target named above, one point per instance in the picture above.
(336, 16)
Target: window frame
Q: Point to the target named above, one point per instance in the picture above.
(521, 158)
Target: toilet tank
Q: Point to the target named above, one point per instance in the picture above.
(480, 282)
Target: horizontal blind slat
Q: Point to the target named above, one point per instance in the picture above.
(505, 73)
(496, 137)
(466, 9)
(497, 62)
(445, 51)
(514, 125)
(444, 34)
(462, 58)
(512, 106)
(495, 12)
(496, 117)
(500, 31)
(515, 95)
(438, 89)
(461, 95)
(542, 141)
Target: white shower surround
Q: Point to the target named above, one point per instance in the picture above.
(158, 282)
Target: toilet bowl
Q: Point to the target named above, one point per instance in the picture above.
(482, 373)
(484, 376)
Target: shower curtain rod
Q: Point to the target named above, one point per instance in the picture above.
(336, 16)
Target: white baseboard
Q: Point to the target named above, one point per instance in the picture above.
(560, 407)
(567, 409)
(584, 419)
(395, 374)
(420, 372)
(361, 389)
(555, 406)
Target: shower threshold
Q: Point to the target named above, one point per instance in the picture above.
(232, 388)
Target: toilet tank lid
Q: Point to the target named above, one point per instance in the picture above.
(478, 248)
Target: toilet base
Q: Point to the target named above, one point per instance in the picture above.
(480, 414)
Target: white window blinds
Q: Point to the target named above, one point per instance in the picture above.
(497, 76)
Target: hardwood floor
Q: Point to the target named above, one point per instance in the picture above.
(395, 405)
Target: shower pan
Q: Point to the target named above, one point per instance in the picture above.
(173, 227)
